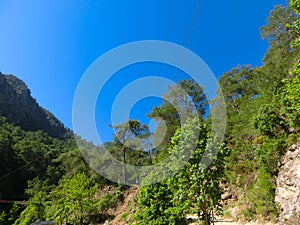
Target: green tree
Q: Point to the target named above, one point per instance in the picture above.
(34, 211)
(72, 200)
(130, 144)
(182, 101)
(194, 189)
(197, 185)
(155, 206)
(295, 27)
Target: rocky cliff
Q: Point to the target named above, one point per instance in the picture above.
(288, 186)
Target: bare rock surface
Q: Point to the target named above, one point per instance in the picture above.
(288, 184)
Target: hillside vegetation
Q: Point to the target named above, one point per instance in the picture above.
(42, 165)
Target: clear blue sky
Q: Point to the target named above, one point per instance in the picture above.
(49, 44)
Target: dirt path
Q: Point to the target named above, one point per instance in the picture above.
(222, 221)
(229, 222)
(226, 222)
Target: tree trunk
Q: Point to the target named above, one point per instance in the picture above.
(124, 166)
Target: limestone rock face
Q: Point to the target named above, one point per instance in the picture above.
(288, 184)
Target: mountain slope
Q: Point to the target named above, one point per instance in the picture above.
(20, 108)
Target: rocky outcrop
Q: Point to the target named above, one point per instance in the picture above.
(288, 185)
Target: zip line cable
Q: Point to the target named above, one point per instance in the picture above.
(193, 23)
(171, 19)
(16, 170)
(168, 30)
(196, 12)
(23, 167)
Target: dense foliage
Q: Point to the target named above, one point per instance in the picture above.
(263, 115)
(194, 189)
(42, 165)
